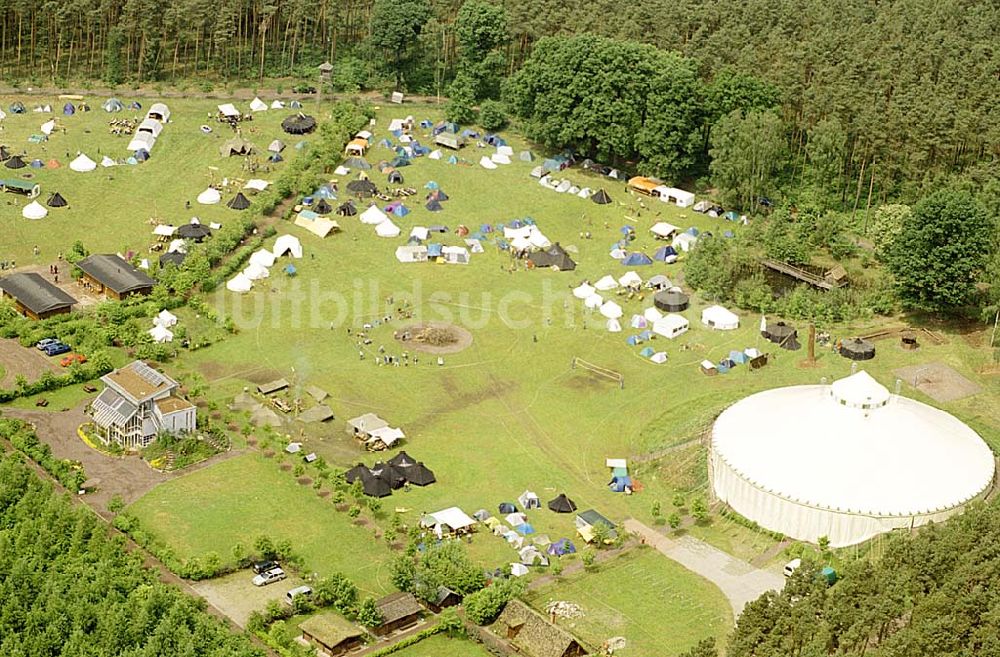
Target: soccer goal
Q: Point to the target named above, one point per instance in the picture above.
(598, 370)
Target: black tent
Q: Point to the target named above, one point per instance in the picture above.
(298, 124)
(56, 201)
(437, 195)
(506, 507)
(322, 207)
(196, 232)
(857, 349)
(238, 202)
(362, 187)
(402, 460)
(17, 107)
(347, 209)
(783, 335)
(4, 154)
(671, 301)
(359, 163)
(562, 504)
(354, 473)
(372, 485)
(174, 258)
(434, 206)
(554, 256)
(15, 163)
(389, 474)
(601, 197)
(419, 475)
(396, 178)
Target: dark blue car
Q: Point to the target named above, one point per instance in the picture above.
(56, 349)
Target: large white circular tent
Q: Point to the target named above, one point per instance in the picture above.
(847, 461)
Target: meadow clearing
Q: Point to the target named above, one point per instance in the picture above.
(504, 415)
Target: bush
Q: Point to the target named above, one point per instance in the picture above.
(483, 606)
(492, 115)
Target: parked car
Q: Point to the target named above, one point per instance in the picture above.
(304, 89)
(296, 592)
(264, 566)
(269, 577)
(792, 566)
(56, 349)
(41, 344)
(73, 359)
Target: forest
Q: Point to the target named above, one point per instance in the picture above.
(70, 590)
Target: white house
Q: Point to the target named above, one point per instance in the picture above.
(137, 404)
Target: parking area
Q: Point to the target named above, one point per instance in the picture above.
(237, 597)
(26, 361)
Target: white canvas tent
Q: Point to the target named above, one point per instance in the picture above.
(583, 291)
(435, 154)
(287, 244)
(256, 272)
(141, 140)
(165, 318)
(611, 310)
(684, 242)
(593, 301)
(152, 126)
(107, 162)
(82, 164)
(518, 569)
(210, 196)
(719, 318)
(487, 163)
(316, 224)
(239, 284)
(659, 357)
(606, 283)
(614, 326)
(664, 230)
(505, 150)
(420, 232)
(48, 127)
(277, 104)
(373, 216)
(262, 257)
(161, 334)
(229, 110)
(455, 255)
(630, 279)
(651, 314)
(387, 229)
(164, 230)
(158, 112)
(500, 158)
(411, 253)
(670, 326)
(257, 105)
(679, 197)
(256, 184)
(34, 210)
(475, 246)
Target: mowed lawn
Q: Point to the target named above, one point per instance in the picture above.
(109, 208)
(237, 500)
(657, 605)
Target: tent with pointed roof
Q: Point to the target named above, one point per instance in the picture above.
(562, 504)
(637, 259)
(237, 146)
(239, 284)
(238, 202)
(419, 475)
(210, 196)
(56, 200)
(193, 231)
(347, 209)
(112, 105)
(257, 105)
(434, 206)
(601, 197)
(15, 162)
(276, 146)
(322, 207)
(298, 124)
(34, 210)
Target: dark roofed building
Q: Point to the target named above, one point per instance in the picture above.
(532, 635)
(444, 597)
(110, 275)
(331, 633)
(398, 610)
(34, 296)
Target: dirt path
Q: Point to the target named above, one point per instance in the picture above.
(739, 581)
(27, 361)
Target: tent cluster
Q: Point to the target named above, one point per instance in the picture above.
(382, 478)
(522, 237)
(780, 333)
(502, 156)
(564, 186)
(655, 188)
(651, 320)
(514, 527)
(162, 324)
(749, 356)
(716, 211)
(261, 262)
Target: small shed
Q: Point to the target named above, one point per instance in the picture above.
(398, 611)
(533, 635)
(331, 633)
(272, 387)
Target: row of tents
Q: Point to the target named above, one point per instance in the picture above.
(262, 260)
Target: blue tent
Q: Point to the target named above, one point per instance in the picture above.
(619, 472)
(419, 150)
(37, 164)
(728, 234)
(738, 357)
(722, 369)
(561, 547)
(324, 191)
(626, 230)
(637, 259)
(68, 109)
(300, 145)
(400, 210)
(131, 160)
(664, 252)
(396, 133)
(529, 221)
(495, 140)
(275, 157)
(645, 335)
(727, 363)
(646, 352)
(524, 529)
(434, 250)
(385, 143)
(692, 231)
(479, 237)
(142, 155)
(502, 244)
(633, 340)
(434, 206)
(470, 134)
(134, 105)
(517, 223)
(426, 123)
(507, 507)
(399, 162)
(452, 160)
(619, 484)
(290, 269)
(445, 126)
(431, 185)
(486, 228)
(731, 216)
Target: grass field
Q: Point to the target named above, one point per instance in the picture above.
(109, 207)
(503, 415)
(651, 601)
(442, 646)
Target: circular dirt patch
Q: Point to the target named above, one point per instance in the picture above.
(269, 453)
(304, 481)
(285, 467)
(434, 337)
(323, 493)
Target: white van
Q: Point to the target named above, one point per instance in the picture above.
(296, 592)
(792, 566)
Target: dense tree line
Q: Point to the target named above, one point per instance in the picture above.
(931, 595)
(69, 590)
